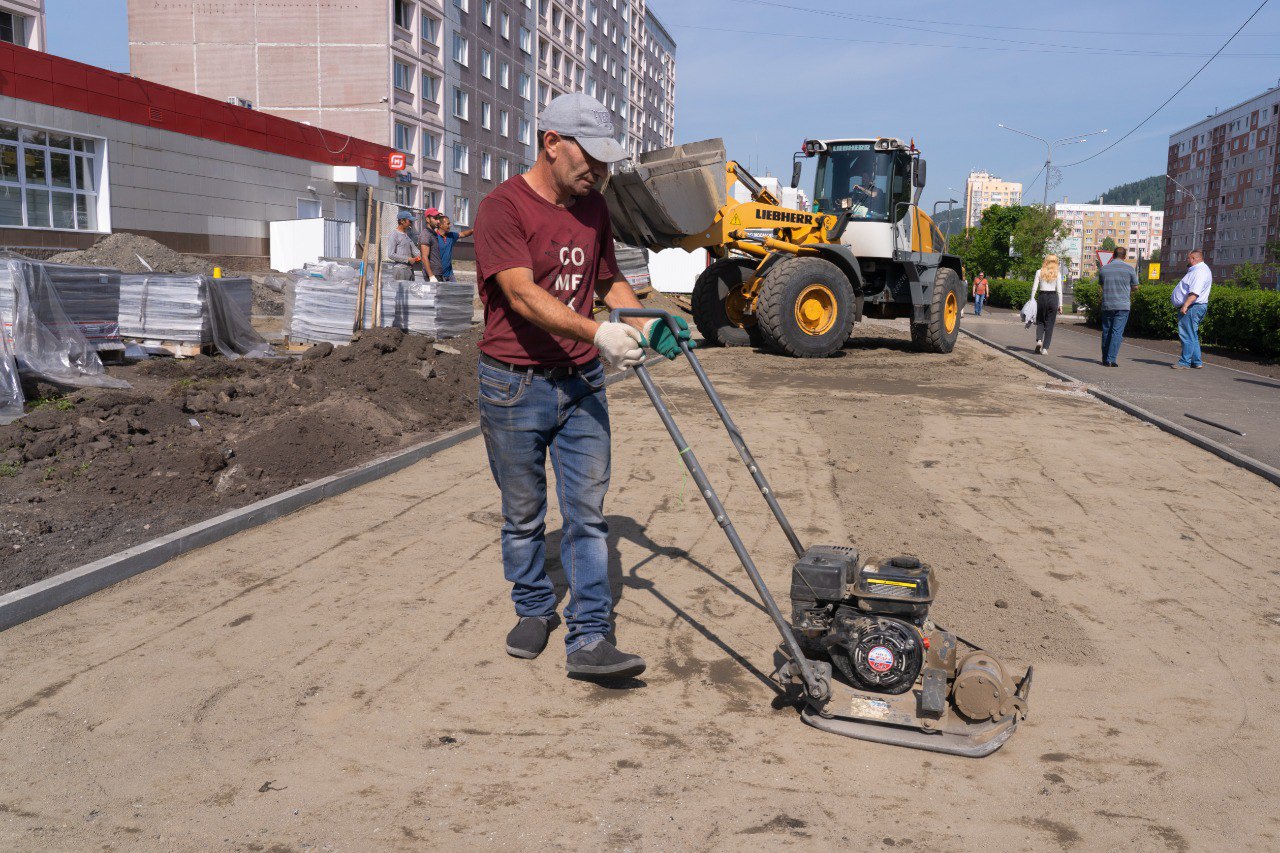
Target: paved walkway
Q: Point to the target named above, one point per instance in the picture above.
(1246, 401)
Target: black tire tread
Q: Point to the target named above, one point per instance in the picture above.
(932, 336)
(706, 305)
(770, 309)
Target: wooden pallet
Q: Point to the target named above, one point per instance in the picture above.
(177, 349)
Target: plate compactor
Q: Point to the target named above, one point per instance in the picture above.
(860, 648)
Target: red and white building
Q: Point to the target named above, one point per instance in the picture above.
(1224, 196)
(85, 152)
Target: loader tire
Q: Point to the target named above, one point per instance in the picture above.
(716, 305)
(943, 327)
(806, 307)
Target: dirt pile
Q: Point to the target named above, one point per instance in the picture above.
(93, 472)
(120, 251)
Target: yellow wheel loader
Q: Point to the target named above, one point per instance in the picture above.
(791, 280)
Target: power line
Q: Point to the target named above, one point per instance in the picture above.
(1064, 49)
(869, 19)
(1178, 92)
(1094, 33)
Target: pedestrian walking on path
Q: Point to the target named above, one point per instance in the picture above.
(544, 252)
(1118, 281)
(980, 291)
(401, 251)
(1191, 299)
(1047, 292)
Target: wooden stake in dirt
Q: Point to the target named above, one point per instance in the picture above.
(377, 276)
(364, 266)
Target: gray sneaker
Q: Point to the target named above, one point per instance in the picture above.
(529, 637)
(602, 659)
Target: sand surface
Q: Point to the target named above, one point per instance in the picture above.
(336, 680)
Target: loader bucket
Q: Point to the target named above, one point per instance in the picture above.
(668, 194)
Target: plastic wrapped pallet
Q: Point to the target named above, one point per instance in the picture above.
(89, 297)
(633, 263)
(176, 308)
(46, 343)
(321, 308)
(11, 398)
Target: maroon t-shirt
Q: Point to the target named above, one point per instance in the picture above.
(568, 249)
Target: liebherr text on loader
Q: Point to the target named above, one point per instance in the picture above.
(797, 281)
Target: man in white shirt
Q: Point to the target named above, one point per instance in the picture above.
(1191, 299)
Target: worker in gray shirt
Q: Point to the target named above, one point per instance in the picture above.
(1118, 281)
(429, 242)
(402, 249)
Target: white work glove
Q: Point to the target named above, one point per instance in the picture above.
(619, 343)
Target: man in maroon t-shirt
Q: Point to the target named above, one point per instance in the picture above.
(544, 251)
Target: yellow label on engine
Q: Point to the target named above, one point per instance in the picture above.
(911, 584)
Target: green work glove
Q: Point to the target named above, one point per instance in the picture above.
(659, 338)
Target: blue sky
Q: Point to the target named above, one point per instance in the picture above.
(765, 74)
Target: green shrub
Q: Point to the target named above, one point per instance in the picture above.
(1007, 293)
(1088, 295)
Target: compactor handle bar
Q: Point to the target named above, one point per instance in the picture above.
(816, 688)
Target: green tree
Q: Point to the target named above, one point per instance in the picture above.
(1155, 256)
(986, 247)
(1108, 245)
(1036, 231)
(1248, 275)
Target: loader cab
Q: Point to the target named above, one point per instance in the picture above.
(869, 178)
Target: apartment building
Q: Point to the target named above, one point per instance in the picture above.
(456, 85)
(22, 23)
(1135, 226)
(1223, 194)
(982, 190)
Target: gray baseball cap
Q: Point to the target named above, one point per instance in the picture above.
(586, 120)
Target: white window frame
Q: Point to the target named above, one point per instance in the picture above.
(526, 83)
(96, 201)
(310, 208)
(504, 74)
(504, 168)
(402, 76)
(461, 210)
(486, 166)
(429, 23)
(408, 149)
(461, 50)
(461, 104)
(461, 158)
(430, 87)
(526, 132)
(526, 40)
(486, 115)
(486, 63)
(486, 12)
(430, 145)
(504, 25)
(504, 123)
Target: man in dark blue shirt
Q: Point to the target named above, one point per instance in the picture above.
(447, 238)
(1117, 280)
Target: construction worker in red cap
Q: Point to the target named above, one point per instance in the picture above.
(429, 243)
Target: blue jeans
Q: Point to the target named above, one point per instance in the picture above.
(1113, 323)
(523, 419)
(978, 301)
(1189, 334)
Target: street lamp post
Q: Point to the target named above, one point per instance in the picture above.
(1195, 217)
(1048, 150)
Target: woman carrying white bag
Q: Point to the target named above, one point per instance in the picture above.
(1047, 294)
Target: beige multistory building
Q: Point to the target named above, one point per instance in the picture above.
(983, 190)
(22, 23)
(455, 84)
(1135, 226)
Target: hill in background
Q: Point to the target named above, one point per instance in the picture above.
(1146, 191)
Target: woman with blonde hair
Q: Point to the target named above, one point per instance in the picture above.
(1047, 292)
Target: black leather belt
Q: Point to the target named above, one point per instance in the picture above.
(554, 371)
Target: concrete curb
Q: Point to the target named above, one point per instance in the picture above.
(1235, 457)
(51, 593)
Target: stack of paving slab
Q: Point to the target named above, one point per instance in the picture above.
(88, 296)
(321, 305)
(175, 308)
(633, 263)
